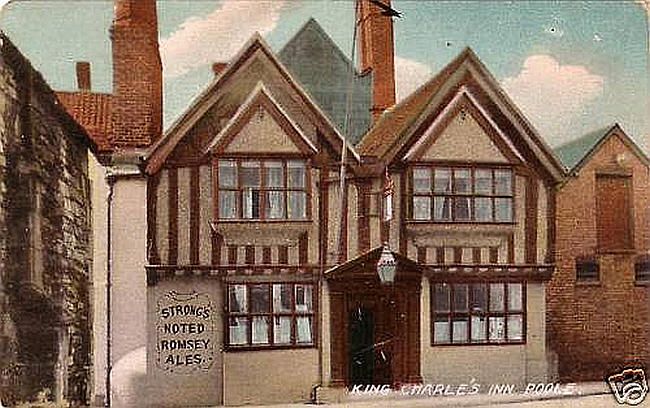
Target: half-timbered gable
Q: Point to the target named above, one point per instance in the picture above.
(237, 196)
(473, 187)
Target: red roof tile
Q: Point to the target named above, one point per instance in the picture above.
(93, 112)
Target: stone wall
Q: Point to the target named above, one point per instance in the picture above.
(44, 238)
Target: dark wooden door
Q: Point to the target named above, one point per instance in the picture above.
(614, 212)
(361, 339)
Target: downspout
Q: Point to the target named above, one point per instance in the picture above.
(109, 203)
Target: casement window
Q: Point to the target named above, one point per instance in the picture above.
(642, 269)
(270, 314)
(478, 313)
(462, 194)
(262, 189)
(587, 269)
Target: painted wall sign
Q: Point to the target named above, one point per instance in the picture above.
(184, 332)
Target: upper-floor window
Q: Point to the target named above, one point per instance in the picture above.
(262, 189)
(587, 268)
(642, 269)
(462, 194)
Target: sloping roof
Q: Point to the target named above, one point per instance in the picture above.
(93, 112)
(159, 151)
(572, 152)
(364, 266)
(397, 126)
(576, 153)
(324, 71)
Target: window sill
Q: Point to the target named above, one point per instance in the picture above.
(502, 343)
(588, 284)
(616, 251)
(237, 349)
(261, 232)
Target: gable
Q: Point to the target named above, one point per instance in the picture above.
(192, 135)
(260, 125)
(463, 131)
(261, 134)
(463, 140)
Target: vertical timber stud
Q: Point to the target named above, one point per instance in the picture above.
(173, 216)
(531, 220)
(195, 208)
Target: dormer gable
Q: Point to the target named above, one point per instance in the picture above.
(464, 132)
(260, 125)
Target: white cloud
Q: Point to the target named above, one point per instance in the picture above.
(553, 95)
(409, 75)
(218, 35)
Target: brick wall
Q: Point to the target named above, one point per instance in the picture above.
(596, 328)
(45, 230)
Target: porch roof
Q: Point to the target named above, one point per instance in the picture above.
(365, 267)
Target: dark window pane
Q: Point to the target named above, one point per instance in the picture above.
(296, 173)
(227, 173)
(251, 203)
(503, 209)
(441, 297)
(462, 183)
(259, 298)
(483, 181)
(479, 298)
(496, 297)
(237, 298)
(442, 208)
(250, 174)
(462, 209)
(303, 298)
(297, 205)
(282, 298)
(422, 180)
(483, 209)
(442, 181)
(503, 182)
(514, 297)
(274, 174)
(460, 298)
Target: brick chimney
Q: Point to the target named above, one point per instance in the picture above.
(83, 75)
(376, 52)
(137, 75)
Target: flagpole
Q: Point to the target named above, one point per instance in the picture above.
(344, 151)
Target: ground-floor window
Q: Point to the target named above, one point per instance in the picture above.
(270, 314)
(478, 313)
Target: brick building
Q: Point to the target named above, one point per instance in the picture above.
(598, 299)
(45, 239)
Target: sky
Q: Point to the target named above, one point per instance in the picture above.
(571, 66)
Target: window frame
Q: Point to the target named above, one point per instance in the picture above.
(271, 314)
(642, 270)
(454, 195)
(587, 260)
(487, 314)
(262, 159)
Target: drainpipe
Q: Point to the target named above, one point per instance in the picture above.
(110, 180)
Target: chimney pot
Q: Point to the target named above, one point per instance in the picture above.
(217, 67)
(83, 76)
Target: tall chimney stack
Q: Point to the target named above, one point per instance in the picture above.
(377, 53)
(137, 75)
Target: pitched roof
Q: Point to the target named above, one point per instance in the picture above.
(576, 153)
(159, 151)
(93, 112)
(324, 71)
(395, 129)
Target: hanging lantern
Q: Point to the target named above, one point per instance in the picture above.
(386, 266)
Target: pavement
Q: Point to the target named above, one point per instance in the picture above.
(583, 395)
